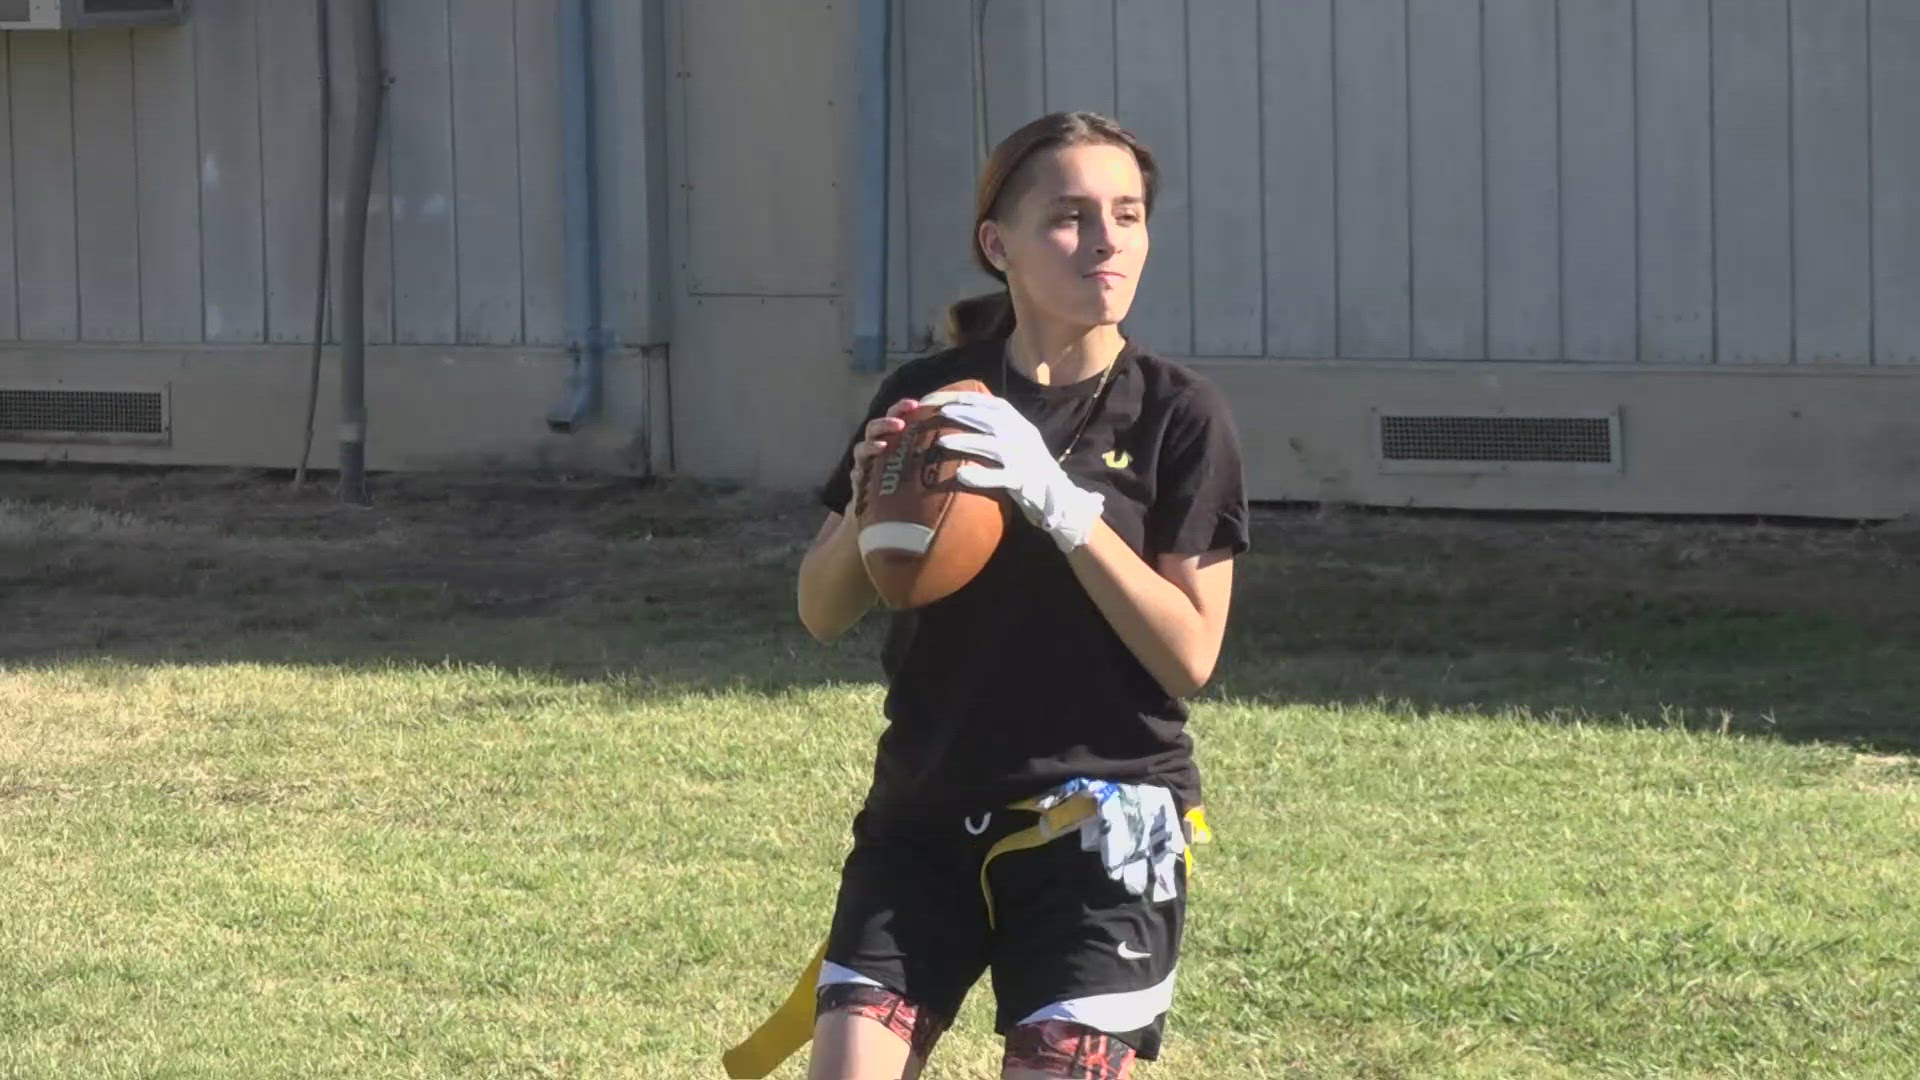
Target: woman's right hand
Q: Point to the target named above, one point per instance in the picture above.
(878, 430)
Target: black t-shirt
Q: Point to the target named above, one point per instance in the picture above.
(1017, 682)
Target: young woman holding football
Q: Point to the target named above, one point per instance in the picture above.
(1035, 786)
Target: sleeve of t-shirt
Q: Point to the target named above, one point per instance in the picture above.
(1200, 497)
(838, 486)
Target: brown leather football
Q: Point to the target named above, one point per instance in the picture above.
(922, 534)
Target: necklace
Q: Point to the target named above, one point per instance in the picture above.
(1099, 398)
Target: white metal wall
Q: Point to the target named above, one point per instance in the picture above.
(1625, 181)
(159, 225)
(161, 185)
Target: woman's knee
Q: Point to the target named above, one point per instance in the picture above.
(870, 1033)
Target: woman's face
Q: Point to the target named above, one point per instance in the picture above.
(1075, 240)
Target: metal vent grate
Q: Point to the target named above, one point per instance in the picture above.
(54, 415)
(1435, 441)
(1495, 438)
(121, 7)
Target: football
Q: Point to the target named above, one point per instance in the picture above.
(922, 534)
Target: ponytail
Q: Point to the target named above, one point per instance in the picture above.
(980, 318)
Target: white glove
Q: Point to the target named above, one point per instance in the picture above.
(1027, 470)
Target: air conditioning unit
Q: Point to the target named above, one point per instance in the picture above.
(86, 14)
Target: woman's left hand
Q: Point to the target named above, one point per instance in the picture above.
(1027, 470)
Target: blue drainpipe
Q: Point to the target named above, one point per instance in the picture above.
(586, 330)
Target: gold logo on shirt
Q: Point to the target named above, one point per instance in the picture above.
(1117, 459)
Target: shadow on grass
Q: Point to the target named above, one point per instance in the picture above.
(1801, 632)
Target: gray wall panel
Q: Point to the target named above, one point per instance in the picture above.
(1566, 180)
(542, 202)
(45, 255)
(426, 278)
(1832, 210)
(754, 230)
(1223, 76)
(290, 160)
(106, 189)
(1015, 62)
(1752, 182)
(168, 140)
(233, 256)
(1675, 90)
(1370, 110)
(1896, 182)
(1301, 197)
(1523, 181)
(1153, 105)
(486, 170)
(173, 192)
(901, 333)
(1079, 43)
(1448, 182)
(9, 293)
(941, 166)
(1598, 207)
(1729, 180)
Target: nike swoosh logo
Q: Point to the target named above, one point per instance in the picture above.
(1127, 953)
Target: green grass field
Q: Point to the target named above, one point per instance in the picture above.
(517, 779)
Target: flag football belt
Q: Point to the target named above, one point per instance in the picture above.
(782, 1034)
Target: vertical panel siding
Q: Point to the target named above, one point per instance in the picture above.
(1079, 41)
(1301, 197)
(426, 278)
(1728, 180)
(1676, 182)
(1014, 57)
(1153, 104)
(41, 85)
(167, 136)
(290, 158)
(1448, 180)
(1833, 289)
(1681, 181)
(1598, 175)
(1523, 181)
(542, 202)
(173, 192)
(900, 320)
(1752, 182)
(9, 288)
(233, 247)
(1223, 76)
(8, 285)
(486, 171)
(941, 161)
(1370, 109)
(106, 191)
(1896, 182)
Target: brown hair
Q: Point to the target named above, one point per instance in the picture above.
(990, 315)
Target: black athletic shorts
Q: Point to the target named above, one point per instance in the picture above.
(1068, 941)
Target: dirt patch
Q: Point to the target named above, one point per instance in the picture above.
(92, 559)
(1737, 627)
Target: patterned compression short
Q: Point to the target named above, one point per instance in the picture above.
(920, 1028)
(1057, 1048)
(1060, 1048)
